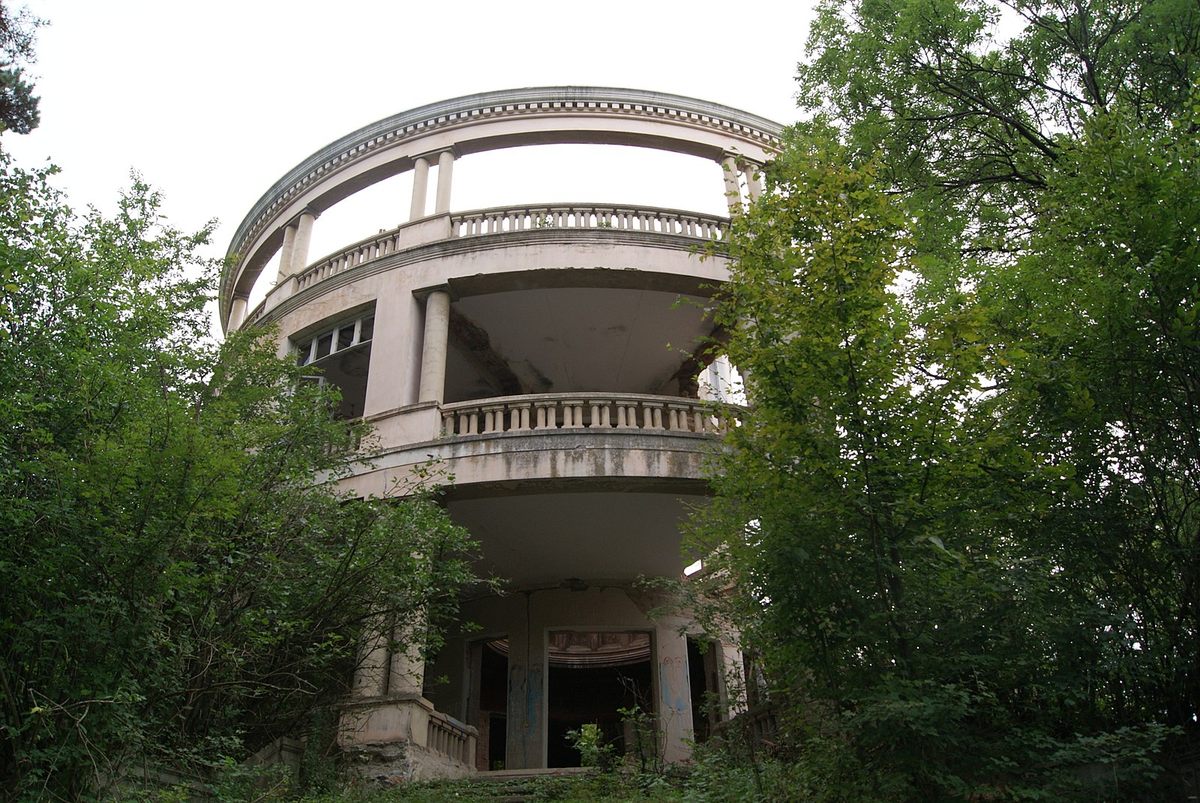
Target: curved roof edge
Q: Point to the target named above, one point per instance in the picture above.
(466, 103)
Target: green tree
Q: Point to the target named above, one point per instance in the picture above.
(178, 583)
(18, 105)
(1100, 320)
(958, 521)
(970, 103)
(872, 512)
(1046, 151)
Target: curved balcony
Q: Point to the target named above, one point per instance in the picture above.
(674, 228)
(630, 437)
(595, 411)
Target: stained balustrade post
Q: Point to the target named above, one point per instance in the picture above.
(572, 415)
(546, 415)
(520, 416)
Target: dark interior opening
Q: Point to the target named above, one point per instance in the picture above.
(702, 676)
(493, 707)
(591, 677)
(343, 356)
(348, 371)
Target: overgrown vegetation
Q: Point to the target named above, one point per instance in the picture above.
(177, 587)
(958, 527)
(959, 524)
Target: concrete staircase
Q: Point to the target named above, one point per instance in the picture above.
(514, 786)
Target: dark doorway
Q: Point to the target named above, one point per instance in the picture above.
(591, 676)
(490, 664)
(702, 676)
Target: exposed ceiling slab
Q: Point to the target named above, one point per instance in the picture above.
(569, 339)
(533, 539)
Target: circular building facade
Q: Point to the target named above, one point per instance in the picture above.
(556, 360)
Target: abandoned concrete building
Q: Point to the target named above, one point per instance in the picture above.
(541, 353)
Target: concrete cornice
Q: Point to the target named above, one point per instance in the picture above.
(512, 103)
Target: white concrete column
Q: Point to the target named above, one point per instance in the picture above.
(420, 188)
(445, 176)
(674, 693)
(301, 241)
(434, 346)
(753, 180)
(733, 190)
(733, 678)
(286, 251)
(371, 673)
(407, 674)
(526, 744)
(237, 312)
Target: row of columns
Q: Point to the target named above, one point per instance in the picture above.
(297, 233)
(734, 168)
(420, 191)
(390, 662)
(437, 303)
(293, 257)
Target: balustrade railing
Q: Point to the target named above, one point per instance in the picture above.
(450, 738)
(382, 244)
(588, 216)
(566, 411)
(525, 218)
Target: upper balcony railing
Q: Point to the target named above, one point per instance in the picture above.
(504, 220)
(544, 412)
(589, 216)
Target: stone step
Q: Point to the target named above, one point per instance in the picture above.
(553, 772)
(516, 786)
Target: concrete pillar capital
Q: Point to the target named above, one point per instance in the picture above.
(436, 154)
(307, 211)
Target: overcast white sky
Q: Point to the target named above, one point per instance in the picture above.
(213, 101)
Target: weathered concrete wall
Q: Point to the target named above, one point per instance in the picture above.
(555, 455)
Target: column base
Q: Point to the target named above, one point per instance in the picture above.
(399, 738)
